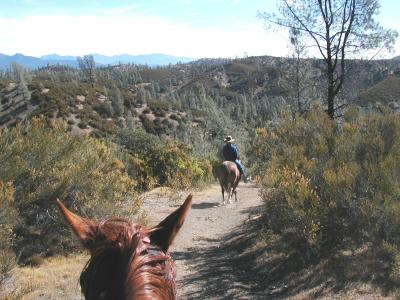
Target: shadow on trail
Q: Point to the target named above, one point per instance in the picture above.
(221, 271)
(236, 268)
(204, 205)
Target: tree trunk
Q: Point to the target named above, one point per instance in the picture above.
(331, 101)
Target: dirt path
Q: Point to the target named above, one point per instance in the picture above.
(206, 270)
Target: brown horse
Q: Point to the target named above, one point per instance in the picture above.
(228, 176)
(127, 260)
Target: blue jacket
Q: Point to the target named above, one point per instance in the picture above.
(230, 152)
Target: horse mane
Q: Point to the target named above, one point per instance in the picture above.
(124, 265)
(128, 261)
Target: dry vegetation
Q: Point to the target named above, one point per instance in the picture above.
(56, 278)
(330, 190)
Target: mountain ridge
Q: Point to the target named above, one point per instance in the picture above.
(32, 62)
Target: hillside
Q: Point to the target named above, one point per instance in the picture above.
(198, 102)
(385, 92)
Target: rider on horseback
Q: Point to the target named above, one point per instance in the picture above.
(231, 153)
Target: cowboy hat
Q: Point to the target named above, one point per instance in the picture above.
(229, 139)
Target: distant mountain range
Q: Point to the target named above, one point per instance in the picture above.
(31, 62)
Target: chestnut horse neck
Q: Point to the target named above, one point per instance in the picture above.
(129, 267)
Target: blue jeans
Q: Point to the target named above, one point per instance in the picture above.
(241, 167)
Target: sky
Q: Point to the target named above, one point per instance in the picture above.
(183, 28)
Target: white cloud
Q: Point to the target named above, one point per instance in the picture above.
(120, 10)
(77, 35)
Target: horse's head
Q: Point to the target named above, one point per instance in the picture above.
(127, 260)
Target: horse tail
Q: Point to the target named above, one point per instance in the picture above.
(222, 175)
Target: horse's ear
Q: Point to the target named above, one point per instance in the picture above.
(169, 227)
(84, 229)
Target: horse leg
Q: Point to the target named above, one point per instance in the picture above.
(234, 188)
(230, 195)
(223, 195)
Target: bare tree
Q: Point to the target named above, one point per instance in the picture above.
(87, 65)
(300, 73)
(22, 77)
(339, 29)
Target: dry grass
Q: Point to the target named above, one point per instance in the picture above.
(56, 278)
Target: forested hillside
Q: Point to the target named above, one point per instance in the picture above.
(197, 103)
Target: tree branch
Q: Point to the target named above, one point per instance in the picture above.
(312, 34)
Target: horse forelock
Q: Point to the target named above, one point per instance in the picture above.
(125, 265)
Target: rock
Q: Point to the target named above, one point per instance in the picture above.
(80, 98)
(101, 97)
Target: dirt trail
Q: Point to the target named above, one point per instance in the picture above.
(206, 270)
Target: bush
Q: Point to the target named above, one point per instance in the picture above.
(175, 117)
(143, 149)
(8, 219)
(332, 185)
(165, 163)
(83, 124)
(44, 162)
(393, 254)
(158, 105)
(104, 109)
(181, 170)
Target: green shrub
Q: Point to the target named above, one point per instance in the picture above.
(82, 124)
(393, 253)
(8, 219)
(181, 170)
(332, 185)
(44, 162)
(105, 109)
(165, 163)
(175, 117)
(158, 105)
